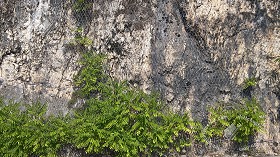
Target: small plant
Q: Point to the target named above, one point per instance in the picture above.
(249, 82)
(82, 5)
(80, 39)
(245, 119)
(277, 60)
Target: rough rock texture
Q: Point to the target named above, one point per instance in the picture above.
(36, 63)
(193, 52)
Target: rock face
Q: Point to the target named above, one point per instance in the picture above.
(35, 61)
(193, 52)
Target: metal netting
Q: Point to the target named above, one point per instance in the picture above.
(53, 24)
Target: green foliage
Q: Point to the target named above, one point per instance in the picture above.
(25, 131)
(124, 120)
(91, 77)
(249, 82)
(80, 39)
(117, 120)
(277, 60)
(248, 119)
(82, 5)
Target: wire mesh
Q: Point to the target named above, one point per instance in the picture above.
(206, 75)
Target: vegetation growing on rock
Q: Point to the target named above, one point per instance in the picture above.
(241, 120)
(116, 119)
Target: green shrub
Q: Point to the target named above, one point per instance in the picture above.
(124, 120)
(245, 118)
(25, 131)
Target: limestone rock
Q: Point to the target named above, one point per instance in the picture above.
(193, 52)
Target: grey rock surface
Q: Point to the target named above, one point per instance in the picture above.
(193, 52)
(36, 63)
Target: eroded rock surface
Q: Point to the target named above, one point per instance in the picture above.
(193, 52)
(36, 63)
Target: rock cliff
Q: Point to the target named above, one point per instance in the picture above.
(193, 52)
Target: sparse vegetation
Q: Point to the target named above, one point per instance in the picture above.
(249, 82)
(80, 38)
(82, 5)
(277, 60)
(242, 120)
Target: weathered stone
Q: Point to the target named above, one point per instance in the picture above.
(194, 53)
